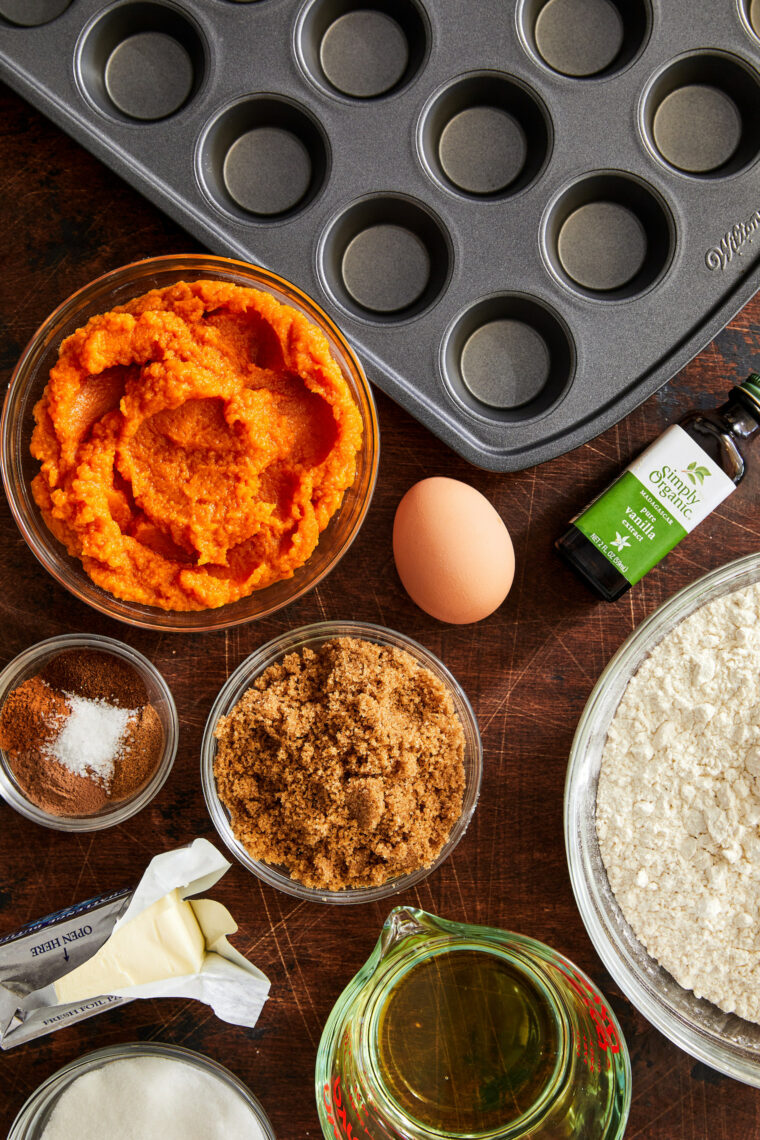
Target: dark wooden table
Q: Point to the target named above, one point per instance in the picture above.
(528, 670)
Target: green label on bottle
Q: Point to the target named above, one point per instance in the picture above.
(662, 496)
(631, 529)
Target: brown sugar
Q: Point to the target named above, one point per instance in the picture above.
(344, 765)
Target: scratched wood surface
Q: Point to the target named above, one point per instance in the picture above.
(528, 670)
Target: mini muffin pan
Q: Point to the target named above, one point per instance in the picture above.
(526, 216)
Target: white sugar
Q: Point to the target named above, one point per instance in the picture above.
(143, 1097)
(91, 738)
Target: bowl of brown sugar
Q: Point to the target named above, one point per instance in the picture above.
(88, 732)
(341, 762)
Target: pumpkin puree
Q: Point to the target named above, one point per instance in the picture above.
(194, 444)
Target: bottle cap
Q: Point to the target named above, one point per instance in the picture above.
(752, 387)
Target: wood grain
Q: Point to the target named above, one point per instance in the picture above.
(528, 671)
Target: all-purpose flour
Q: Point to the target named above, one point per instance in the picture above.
(678, 803)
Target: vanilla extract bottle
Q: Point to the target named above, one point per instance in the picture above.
(663, 495)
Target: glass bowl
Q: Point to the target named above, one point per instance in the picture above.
(33, 1118)
(721, 1040)
(312, 636)
(28, 383)
(31, 661)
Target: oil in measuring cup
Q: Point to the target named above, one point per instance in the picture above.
(466, 1042)
(455, 1031)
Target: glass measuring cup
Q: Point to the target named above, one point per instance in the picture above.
(453, 1031)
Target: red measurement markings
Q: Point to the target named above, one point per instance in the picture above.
(336, 1106)
(337, 1115)
(582, 1051)
(606, 1035)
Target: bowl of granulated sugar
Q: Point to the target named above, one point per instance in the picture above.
(88, 732)
(662, 819)
(129, 1092)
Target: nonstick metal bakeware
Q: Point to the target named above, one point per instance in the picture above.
(526, 216)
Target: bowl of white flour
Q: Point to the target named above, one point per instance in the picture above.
(662, 819)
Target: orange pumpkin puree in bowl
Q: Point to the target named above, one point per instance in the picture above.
(194, 443)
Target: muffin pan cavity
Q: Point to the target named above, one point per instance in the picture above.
(485, 136)
(141, 62)
(362, 51)
(31, 13)
(700, 115)
(386, 258)
(507, 357)
(525, 217)
(750, 12)
(609, 236)
(583, 39)
(262, 159)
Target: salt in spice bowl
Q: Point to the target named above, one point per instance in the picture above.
(34, 1116)
(31, 662)
(311, 637)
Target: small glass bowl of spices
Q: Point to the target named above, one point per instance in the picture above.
(142, 1089)
(88, 732)
(341, 762)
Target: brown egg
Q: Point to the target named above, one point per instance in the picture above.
(453, 553)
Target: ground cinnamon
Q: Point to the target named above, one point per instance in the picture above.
(35, 714)
(141, 750)
(31, 715)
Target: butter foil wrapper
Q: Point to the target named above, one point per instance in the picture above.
(40, 952)
(64, 948)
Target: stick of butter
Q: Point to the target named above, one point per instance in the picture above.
(164, 941)
(164, 944)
